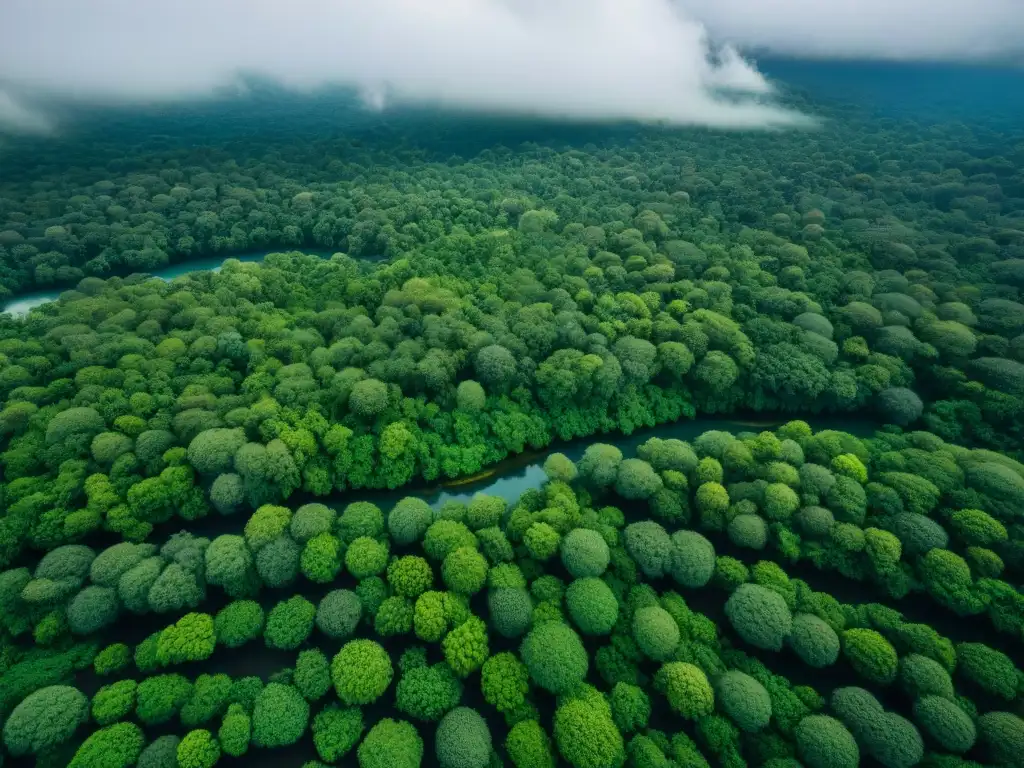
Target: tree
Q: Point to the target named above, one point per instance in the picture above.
(212, 451)
(946, 723)
(463, 740)
(239, 622)
(464, 571)
(191, 638)
(636, 479)
(541, 540)
(504, 681)
(687, 689)
(600, 465)
(391, 744)
(978, 528)
(749, 531)
(279, 717)
(198, 749)
(71, 562)
(114, 561)
(428, 692)
(235, 731)
(529, 746)
(116, 746)
(592, 606)
(210, 695)
(159, 698)
(470, 396)
(230, 565)
(921, 676)
(465, 647)
(650, 546)
(948, 579)
(511, 611)
(279, 562)
(92, 609)
(631, 707)
(366, 557)
(656, 633)
(823, 742)
(408, 520)
(744, 700)
(45, 719)
(693, 559)
(266, 524)
(174, 588)
(814, 641)
(988, 669)
(555, 657)
(289, 623)
(74, 423)
(1002, 733)
(558, 466)
(871, 655)
(901, 405)
(106, 447)
(162, 752)
(310, 521)
(321, 558)
(584, 553)
(917, 533)
(585, 732)
(338, 613)
(759, 616)
(312, 675)
(361, 671)
(227, 493)
(368, 398)
(394, 617)
(495, 366)
(112, 659)
(336, 730)
(887, 737)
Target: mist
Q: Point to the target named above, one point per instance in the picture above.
(646, 60)
(585, 59)
(891, 30)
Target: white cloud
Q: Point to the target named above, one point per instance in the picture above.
(898, 30)
(21, 118)
(592, 59)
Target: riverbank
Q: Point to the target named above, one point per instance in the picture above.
(21, 304)
(512, 477)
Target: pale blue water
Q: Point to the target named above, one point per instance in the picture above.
(19, 306)
(511, 478)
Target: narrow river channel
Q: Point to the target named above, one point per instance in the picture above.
(20, 305)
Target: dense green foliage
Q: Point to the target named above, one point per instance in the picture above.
(45, 719)
(189, 452)
(645, 647)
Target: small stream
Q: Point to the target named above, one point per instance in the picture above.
(20, 305)
(512, 477)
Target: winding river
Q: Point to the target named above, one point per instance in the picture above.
(512, 477)
(20, 305)
(509, 479)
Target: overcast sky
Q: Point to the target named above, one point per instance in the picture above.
(907, 30)
(643, 59)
